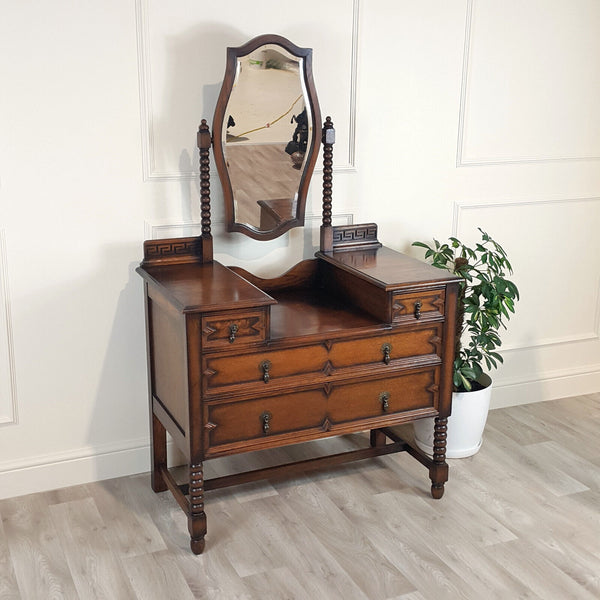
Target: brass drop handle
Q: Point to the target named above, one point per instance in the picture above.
(233, 329)
(384, 398)
(418, 306)
(386, 349)
(265, 367)
(266, 421)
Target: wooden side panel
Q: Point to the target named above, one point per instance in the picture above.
(168, 360)
(364, 295)
(448, 350)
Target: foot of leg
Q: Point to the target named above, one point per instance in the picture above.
(197, 546)
(437, 490)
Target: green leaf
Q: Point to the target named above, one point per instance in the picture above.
(469, 372)
(465, 383)
(420, 244)
(488, 301)
(497, 356)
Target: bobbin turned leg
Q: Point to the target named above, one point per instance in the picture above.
(438, 472)
(197, 517)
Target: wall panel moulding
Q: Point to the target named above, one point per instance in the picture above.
(529, 94)
(178, 86)
(8, 395)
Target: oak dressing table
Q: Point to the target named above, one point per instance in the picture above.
(360, 338)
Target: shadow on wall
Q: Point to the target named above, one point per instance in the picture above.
(80, 356)
(120, 412)
(195, 64)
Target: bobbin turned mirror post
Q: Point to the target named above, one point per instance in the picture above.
(357, 340)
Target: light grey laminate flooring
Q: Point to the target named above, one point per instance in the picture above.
(521, 519)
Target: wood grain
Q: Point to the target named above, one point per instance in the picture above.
(37, 556)
(520, 519)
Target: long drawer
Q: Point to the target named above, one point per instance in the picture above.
(327, 410)
(257, 371)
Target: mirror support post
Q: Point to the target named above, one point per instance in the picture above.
(326, 228)
(204, 142)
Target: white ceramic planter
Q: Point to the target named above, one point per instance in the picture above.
(465, 425)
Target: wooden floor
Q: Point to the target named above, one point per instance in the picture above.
(521, 519)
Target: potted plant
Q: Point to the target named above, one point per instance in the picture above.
(486, 301)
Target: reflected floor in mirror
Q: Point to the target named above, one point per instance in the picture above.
(262, 173)
(519, 519)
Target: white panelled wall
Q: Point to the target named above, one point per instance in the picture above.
(449, 116)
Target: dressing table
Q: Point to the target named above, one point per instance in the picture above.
(359, 338)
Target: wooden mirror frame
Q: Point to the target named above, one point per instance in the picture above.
(314, 140)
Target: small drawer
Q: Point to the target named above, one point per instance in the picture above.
(413, 307)
(330, 409)
(235, 328)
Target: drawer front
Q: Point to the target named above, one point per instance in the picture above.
(231, 329)
(412, 307)
(260, 370)
(318, 362)
(386, 349)
(328, 410)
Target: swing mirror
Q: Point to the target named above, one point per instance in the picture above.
(265, 136)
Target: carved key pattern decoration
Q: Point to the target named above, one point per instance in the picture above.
(162, 249)
(355, 233)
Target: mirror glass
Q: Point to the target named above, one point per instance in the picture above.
(266, 133)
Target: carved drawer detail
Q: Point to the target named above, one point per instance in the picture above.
(413, 307)
(331, 409)
(258, 372)
(224, 330)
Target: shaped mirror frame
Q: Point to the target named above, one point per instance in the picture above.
(225, 153)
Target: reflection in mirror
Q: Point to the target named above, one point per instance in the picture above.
(267, 136)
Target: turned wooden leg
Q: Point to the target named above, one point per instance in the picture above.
(158, 442)
(438, 471)
(377, 438)
(197, 517)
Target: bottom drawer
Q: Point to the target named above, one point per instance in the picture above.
(330, 409)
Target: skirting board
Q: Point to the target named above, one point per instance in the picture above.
(547, 386)
(79, 467)
(96, 464)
